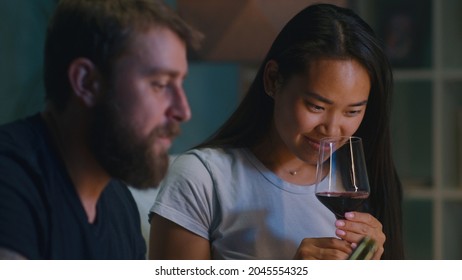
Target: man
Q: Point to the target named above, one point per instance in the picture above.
(113, 75)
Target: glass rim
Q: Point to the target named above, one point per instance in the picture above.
(336, 138)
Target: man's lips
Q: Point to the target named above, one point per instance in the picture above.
(164, 141)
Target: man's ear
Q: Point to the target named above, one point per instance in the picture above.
(271, 78)
(85, 81)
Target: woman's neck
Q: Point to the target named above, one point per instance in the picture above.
(277, 157)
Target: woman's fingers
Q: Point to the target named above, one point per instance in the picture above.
(358, 225)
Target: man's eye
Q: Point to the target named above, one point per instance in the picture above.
(158, 85)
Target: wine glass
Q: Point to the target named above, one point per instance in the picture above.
(342, 184)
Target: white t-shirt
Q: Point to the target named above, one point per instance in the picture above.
(246, 212)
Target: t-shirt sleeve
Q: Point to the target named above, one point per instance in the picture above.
(186, 195)
(19, 209)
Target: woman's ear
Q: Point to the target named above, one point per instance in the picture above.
(271, 78)
(85, 81)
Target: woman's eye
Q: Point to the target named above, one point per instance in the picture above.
(353, 113)
(315, 108)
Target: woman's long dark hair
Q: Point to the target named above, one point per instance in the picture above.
(328, 31)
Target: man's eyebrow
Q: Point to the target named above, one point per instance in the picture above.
(330, 102)
(152, 71)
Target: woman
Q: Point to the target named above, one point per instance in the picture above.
(248, 191)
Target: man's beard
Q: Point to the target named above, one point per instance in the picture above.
(124, 155)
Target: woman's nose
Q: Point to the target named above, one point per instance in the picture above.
(331, 125)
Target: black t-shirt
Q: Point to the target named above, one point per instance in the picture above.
(41, 216)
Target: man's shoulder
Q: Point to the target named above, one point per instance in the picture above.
(25, 153)
(21, 135)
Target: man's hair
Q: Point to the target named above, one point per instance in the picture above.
(100, 30)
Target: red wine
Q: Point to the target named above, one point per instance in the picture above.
(341, 202)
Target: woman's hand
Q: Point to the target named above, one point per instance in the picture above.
(323, 249)
(356, 226)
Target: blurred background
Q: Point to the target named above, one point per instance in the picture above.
(422, 38)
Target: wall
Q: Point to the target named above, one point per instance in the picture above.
(22, 34)
(212, 90)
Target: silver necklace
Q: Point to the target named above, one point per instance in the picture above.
(293, 173)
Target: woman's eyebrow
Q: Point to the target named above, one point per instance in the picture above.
(362, 103)
(330, 102)
(319, 97)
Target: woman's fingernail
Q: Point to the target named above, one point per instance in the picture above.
(340, 232)
(339, 223)
(349, 215)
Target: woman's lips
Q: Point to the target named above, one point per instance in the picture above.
(314, 143)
